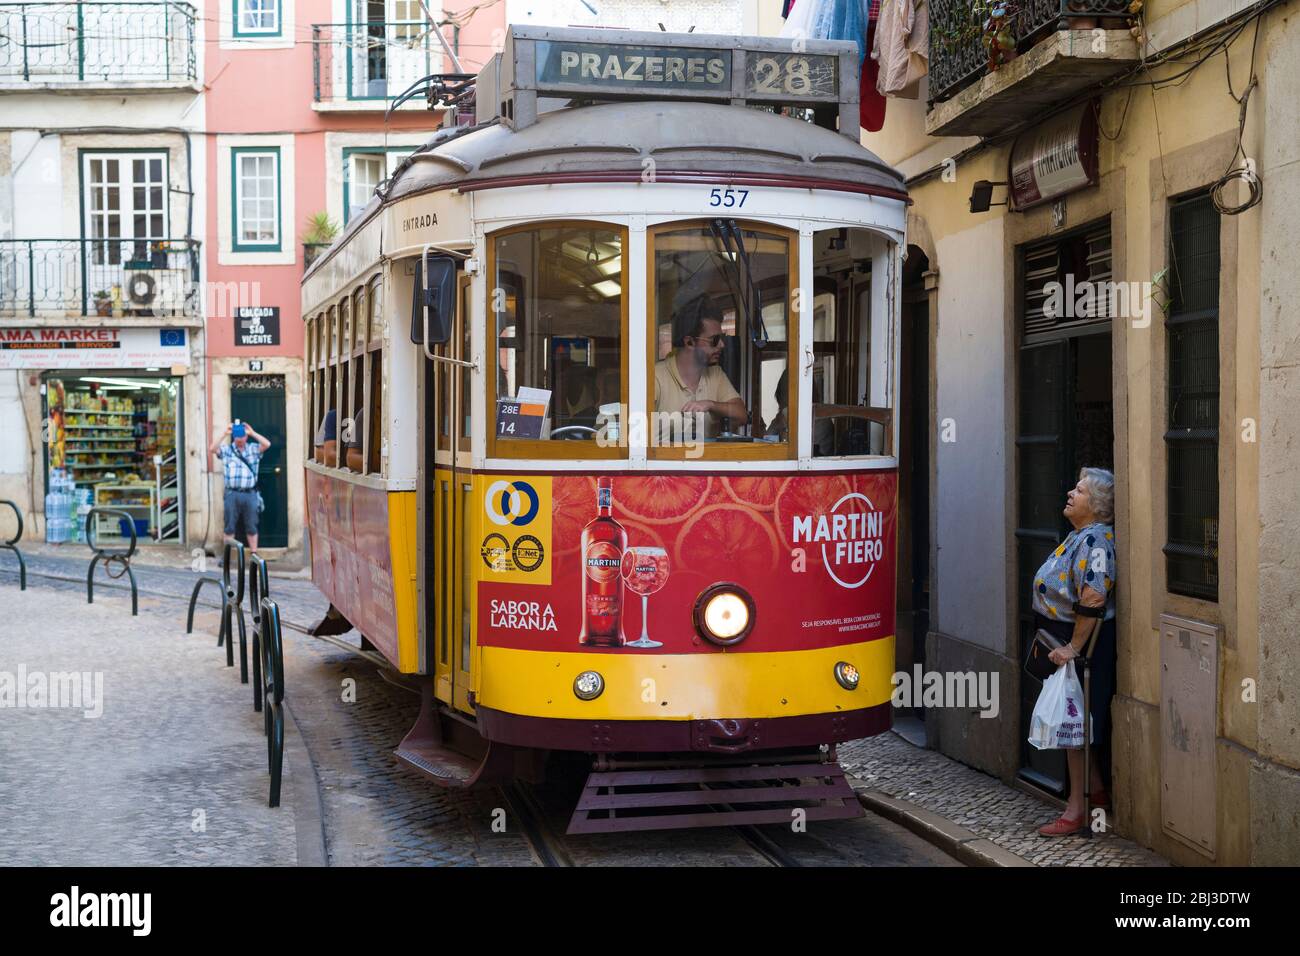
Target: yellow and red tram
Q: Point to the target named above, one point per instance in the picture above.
(535, 506)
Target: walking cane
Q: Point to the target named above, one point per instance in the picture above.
(1097, 614)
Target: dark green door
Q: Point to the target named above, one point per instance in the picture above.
(259, 400)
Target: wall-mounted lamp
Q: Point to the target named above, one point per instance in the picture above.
(981, 195)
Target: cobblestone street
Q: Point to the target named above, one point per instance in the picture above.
(179, 735)
(174, 770)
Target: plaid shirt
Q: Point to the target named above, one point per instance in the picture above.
(239, 476)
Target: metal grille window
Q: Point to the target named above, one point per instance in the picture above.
(1067, 283)
(1192, 434)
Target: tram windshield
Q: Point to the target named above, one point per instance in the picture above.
(720, 295)
(558, 301)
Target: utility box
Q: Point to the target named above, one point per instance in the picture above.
(1189, 712)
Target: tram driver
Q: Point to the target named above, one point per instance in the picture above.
(689, 381)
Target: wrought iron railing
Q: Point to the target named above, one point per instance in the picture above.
(85, 276)
(958, 56)
(371, 60)
(127, 42)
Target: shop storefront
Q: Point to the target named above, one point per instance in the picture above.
(113, 442)
(112, 411)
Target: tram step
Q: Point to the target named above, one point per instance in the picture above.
(675, 798)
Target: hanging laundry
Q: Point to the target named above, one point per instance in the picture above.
(829, 20)
(902, 47)
(871, 103)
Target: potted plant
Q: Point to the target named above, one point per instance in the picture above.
(103, 302)
(995, 18)
(320, 231)
(158, 254)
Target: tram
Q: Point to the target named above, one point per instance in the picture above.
(609, 379)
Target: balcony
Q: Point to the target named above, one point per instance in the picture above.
(362, 66)
(135, 46)
(1062, 48)
(81, 277)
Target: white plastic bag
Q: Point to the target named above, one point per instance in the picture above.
(1057, 722)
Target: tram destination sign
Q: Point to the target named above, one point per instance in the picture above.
(606, 67)
(608, 64)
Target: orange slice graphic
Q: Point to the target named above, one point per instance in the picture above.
(726, 539)
(758, 492)
(807, 497)
(573, 504)
(659, 499)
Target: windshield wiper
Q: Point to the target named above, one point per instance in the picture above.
(749, 302)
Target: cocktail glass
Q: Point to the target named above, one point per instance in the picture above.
(645, 571)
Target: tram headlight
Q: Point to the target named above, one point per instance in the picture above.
(588, 685)
(724, 614)
(847, 675)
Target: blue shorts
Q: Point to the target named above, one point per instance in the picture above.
(241, 512)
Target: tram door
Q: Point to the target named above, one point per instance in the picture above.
(450, 573)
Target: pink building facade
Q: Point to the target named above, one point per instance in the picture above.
(296, 94)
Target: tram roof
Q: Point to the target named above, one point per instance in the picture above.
(611, 142)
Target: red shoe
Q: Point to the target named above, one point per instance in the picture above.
(1061, 827)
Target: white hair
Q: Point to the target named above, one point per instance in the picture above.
(1101, 491)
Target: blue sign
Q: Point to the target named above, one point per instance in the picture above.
(171, 338)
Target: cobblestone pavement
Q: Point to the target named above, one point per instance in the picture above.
(981, 804)
(173, 772)
(378, 813)
(374, 811)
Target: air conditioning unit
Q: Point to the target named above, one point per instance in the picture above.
(156, 291)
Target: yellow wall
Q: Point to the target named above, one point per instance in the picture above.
(1154, 147)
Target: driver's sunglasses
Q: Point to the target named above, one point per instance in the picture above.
(713, 340)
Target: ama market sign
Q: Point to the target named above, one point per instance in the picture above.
(92, 348)
(850, 535)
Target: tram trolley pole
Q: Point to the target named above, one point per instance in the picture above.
(12, 544)
(232, 608)
(273, 693)
(111, 556)
(258, 589)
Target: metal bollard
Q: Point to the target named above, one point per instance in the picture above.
(12, 545)
(233, 609)
(111, 556)
(273, 693)
(258, 588)
(194, 597)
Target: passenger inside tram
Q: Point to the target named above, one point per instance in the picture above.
(720, 298)
(690, 381)
(326, 445)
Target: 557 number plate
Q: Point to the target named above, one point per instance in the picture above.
(728, 198)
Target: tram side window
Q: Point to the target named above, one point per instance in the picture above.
(558, 300)
(851, 413)
(721, 296)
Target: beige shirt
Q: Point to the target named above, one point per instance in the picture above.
(672, 394)
(902, 47)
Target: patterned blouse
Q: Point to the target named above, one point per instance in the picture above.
(1084, 559)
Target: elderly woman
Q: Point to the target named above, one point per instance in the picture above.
(1082, 572)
